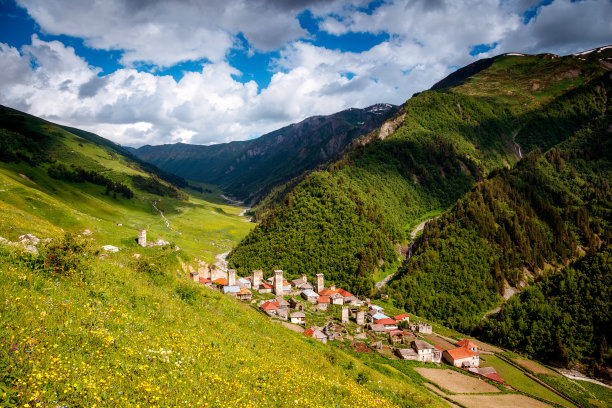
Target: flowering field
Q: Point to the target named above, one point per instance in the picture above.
(115, 334)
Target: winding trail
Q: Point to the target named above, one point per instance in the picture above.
(163, 216)
(413, 235)
(221, 262)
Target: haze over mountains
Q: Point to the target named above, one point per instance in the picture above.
(249, 170)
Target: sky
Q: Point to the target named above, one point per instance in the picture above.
(212, 71)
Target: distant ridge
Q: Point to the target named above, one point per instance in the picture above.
(249, 170)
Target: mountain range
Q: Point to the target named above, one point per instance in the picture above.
(249, 170)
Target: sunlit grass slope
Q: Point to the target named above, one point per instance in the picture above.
(33, 202)
(125, 332)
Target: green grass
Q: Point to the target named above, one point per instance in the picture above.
(119, 333)
(517, 379)
(587, 394)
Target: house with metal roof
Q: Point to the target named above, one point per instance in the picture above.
(310, 295)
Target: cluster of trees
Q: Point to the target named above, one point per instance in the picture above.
(562, 318)
(79, 175)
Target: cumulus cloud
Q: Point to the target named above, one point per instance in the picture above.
(164, 33)
(426, 41)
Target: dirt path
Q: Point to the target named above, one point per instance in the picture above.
(163, 216)
(579, 377)
(413, 235)
(221, 262)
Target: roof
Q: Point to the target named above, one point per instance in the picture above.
(281, 302)
(378, 327)
(344, 293)
(376, 307)
(244, 280)
(379, 315)
(309, 293)
(385, 321)
(297, 314)
(326, 292)
(269, 305)
(407, 352)
(323, 299)
(231, 289)
(336, 296)
(204, 280)
(422, 345)
(220, 281)
(267, 286)
(461, 353)
(467, 344)
(309, 332)
(401, 316)
(244, 291)
(439, 347)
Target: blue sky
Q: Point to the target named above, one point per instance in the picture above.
(151, 72)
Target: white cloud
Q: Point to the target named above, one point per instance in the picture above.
(168, 32)
(426, 39)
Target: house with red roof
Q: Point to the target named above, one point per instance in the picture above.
(461, 357)
(402, 317)
(487, 372)
(220, 282)
(270, 308)
(470, 345)
(389, 323)
(323, 303)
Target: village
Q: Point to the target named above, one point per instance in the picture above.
(334, 314)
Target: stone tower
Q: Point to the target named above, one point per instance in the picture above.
(345, 314)
(194, 275)
(360, 317)
(278, 282)
(256, 279)
(231, 277)
(142, 237)
(319, 280)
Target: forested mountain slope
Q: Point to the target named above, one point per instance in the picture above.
(346, 220)
(249, 170)
(516, 225)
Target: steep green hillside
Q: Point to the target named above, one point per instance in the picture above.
(249, 170)
(52, 179)
(518, 223)
(564, 318)
(77, 330)
(345, 221)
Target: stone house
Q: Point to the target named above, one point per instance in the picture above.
(377, 328)
(316, 334)
(421, 327)
(426, 352)
(244, 283)
(294, 304)
(402, 317)
(269, 307)
(282, 303)
(265, 288)
(389, 323)
(244, 295)
(310, 295)
(323, 303)
(461, 357)
(298, 318)
(407, 354)
(336, 299)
